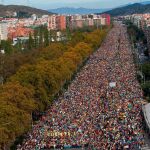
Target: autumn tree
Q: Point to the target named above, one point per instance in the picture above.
(36, 77)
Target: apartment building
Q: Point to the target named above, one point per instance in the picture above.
(107, 19)
(61, 22)
(15, 27)
(52, 22)
(90, 22)
(3, 31)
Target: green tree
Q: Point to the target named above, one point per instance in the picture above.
(46, 37)
(30, 42)
(36, 39)
(146, 70)
(146, 89)
(41, 36)
(7, 46)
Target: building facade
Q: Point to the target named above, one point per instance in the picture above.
(61, 22)
(3, 31)
(52, 22)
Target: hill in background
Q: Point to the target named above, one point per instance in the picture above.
(68, 10)
(130, 9)
(145, 3)
(25, 11)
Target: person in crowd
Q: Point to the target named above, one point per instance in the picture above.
(91, 112)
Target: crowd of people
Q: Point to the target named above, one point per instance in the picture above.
(101, 109)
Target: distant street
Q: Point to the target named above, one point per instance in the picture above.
(101, 108)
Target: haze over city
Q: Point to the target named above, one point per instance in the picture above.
(50, 4)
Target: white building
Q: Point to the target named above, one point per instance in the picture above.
(34, 17)
(3, 31)
(103, 21)
(52, 22)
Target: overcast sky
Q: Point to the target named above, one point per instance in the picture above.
(46, 4)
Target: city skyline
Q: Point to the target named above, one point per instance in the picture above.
(50, 4)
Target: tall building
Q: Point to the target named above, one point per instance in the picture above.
(91, 22)
(52, 22)
(3, 31)
(97, 22)
(79, 23)
(104, 21)
(107, 17)
(61, 22)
